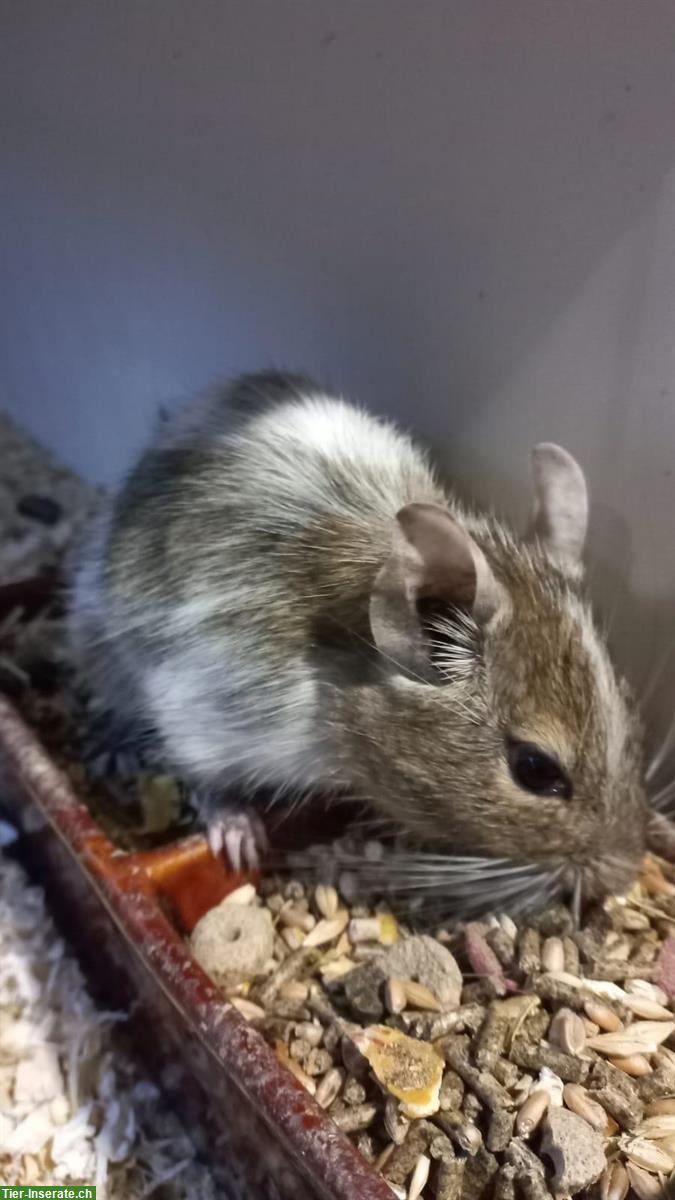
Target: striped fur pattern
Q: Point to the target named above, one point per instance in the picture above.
(222, 600)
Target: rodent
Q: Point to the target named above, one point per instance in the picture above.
(284, 591)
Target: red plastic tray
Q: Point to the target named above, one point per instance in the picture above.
(243, 1108)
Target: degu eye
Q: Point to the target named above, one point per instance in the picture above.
(537, 771)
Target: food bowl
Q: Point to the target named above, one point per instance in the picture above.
(123, 913)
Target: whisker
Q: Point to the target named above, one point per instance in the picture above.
(656, 675)
(660, 756)
(577, 895)
(661, 798)
(435, 883)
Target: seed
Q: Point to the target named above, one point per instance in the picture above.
(328, 929)
(343, 946)
(421, 997)
(336, 969)
(634, 1064)
(295, 990)
(293, 938)
(614, 1182)
(634, 921)
(364, 929)
(665, 1058)
(354, 1091)
(383, 1158)
(591, 1028)
(419, 1177)
(329, 1087)
(296, 918)
(660, 1126)
(600, 987)
(617, 948)
(642, 1037)
(645, 1186)
(395, 1123)
(648, 1156)
(662, 1107)
(310, 1032)
(509, 926)
(249, 1010)
(603, 1016)
(395, 996)
(642, 987)
(241, 895)
(531, 1112)
(353, 1120)
(326, 900)
(578, 1101)
(282, 1053)
(643, 1006)
(553, 954)
(619, 1045)
(382, 928)
(567, 1031)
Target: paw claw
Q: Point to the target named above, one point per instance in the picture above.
(239, 837)
(214, 836)
(234, 841)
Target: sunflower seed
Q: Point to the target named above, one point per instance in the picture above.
(395, 1124)
(419, 1177)
(329, 1087)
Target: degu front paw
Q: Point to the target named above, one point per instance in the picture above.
(240, 837)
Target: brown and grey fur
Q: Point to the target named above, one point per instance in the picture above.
(227, 600)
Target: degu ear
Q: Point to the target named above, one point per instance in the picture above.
(432, 558)
(559, 517)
